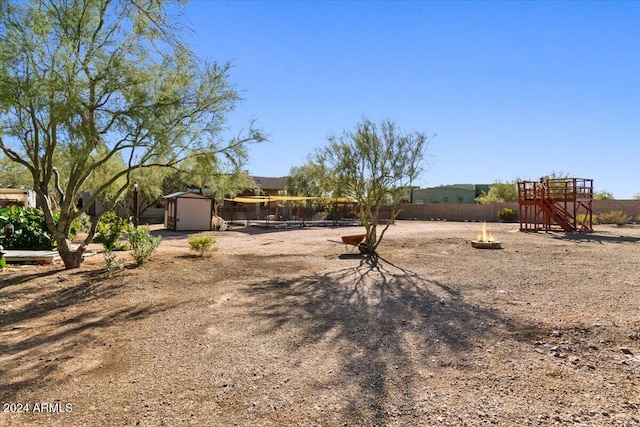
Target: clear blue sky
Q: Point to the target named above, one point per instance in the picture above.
(509, 89)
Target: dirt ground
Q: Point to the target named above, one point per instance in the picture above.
(288, 328)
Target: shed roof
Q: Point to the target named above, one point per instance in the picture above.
(185, 193)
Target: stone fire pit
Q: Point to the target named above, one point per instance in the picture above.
(486, 245)
(485, 240)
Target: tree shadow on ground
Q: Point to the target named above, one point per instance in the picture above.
(387, 325)
(597, 238)
(39, 334)
(22, 278)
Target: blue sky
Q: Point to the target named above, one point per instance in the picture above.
(508, 89)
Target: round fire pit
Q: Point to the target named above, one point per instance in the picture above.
(485, 245)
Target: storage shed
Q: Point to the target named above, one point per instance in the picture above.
(187, 211)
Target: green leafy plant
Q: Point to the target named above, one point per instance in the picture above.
(109, 231)
(142, 243)
(507, 215)
(29, 228)
(3, 262)
(112, 262)
(82, 224)
(614, 217)
(202, 243)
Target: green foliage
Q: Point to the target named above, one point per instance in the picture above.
(112, 262)
(3, 262)
(82, 224)
(13, 175)
(507, 215)
(613, 217)
(142, 243)
(499, 192)
(306, 181)
(202, 243)
(603, 195)
(109, 231)
(30, 230)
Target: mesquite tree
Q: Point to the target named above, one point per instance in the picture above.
(375, 165)
(91, 91)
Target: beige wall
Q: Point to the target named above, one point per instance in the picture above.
(473, 212)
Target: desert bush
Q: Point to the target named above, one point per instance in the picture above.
(82, 223)
(29, 228)
(142, 243)
(613, 217)
(507, 215)
(109, 231)
(202, 243)
(112, 262)
(582, 219)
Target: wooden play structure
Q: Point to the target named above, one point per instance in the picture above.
(564, 204)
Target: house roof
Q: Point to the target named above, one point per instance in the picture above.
(266, 183)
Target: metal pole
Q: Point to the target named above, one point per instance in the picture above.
(135, 204)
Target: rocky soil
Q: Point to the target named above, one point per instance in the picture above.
(290, 327)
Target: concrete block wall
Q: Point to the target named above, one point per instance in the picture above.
(474, 212)
(454, 212)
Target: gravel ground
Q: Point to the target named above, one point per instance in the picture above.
(290, 327)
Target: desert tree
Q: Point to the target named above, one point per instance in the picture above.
(374, 165)
(308, 180)
(603, 195)
(499, 192)
(110, 86)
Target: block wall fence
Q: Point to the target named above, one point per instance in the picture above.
(440, 211)
(473, 212)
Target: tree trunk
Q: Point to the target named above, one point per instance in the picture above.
(71, 258)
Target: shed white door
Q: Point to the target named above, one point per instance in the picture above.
(193, 214)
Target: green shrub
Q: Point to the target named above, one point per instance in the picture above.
(614, 217)
(202, 243)
(3, 262)
(82, 224)
(112, 262)
(29, 228)
(582, 219)
(142, 243)
(507, 215)
(109, 231)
